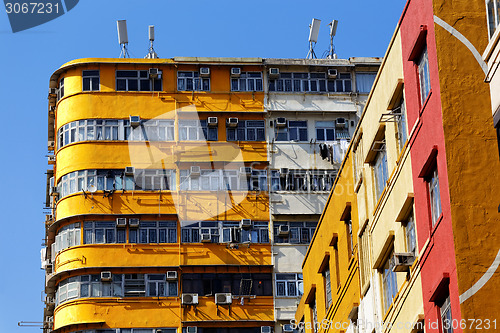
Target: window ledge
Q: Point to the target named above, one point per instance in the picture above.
(422, 108)
(436, 225)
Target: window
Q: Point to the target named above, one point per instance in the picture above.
(401, 124)
(131, 330)
(248, 81)
(136, 81)
(196, 130)
(214, 180)
(435, 196)
(328, 284)
(493, 11)
(411, 240)
(337, 264)
(241, 284)
(364, 256)
(364, 81)
(389, 282)
(424, 76)
(446, 317)
(149, 180)
(154, 232)
(100, 232)
(121, 285)
(380, 169)
(325, 131)
(225, 232)
(247, 130)
(67, 236)
(298, 232)
(295, 131)
(310, 82)
(348, 227)
(60, 91)
(191, 81)
(90, 80)
(289, 285)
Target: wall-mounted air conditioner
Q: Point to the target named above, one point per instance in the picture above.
(129, 171)
(212, 121)
(191, 329)
(287, 328)
(235, 72)
(204, 71)
(245, 223)
(106, 276)
(206, 238)
(135, 121)
(341, 122)
(223, 298)
(403, 261)
(232, 122)
(245, 171)
(195, 171)
(274, 72)
(265, 329)
(332, 73)
(283, 171)
(51, 145)
(172, 275)
(52, 91)
(189, 299)
(134, 222)
(121, 222)
(154, 73)
(283, 230)
(51, 159)
(281, 122)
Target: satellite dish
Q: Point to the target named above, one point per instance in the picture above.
(92, 188)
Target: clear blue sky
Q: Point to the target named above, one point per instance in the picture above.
(267, 29)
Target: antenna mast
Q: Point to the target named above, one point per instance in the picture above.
(313, 38)
(333, 31)
(151, 52)
(121, 25)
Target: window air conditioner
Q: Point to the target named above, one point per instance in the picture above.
(129, 171)
(235, 72)
(265, 329)
(189, 299)
(284, 171)
(204, 71)
(106, 276)
(206, 238)
(246, 223)
(134, 222)
(274, 72)
(191, 329)
(135, 121)
(340, 122)
(332, 73)
(232, 122)
(172, 275)
(287, 328)
(154, 73)
(49, 300)
(403, 261)
(51, 145)
(121, 222)
(212, 121)
(281, 122)
(283, 230)
(52, 91)
(195, 170)
(51, 159)
(223, 298)
(245, 171)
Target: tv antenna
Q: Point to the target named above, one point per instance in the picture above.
(151, 53)
(333, 31)
(121, 25)
(313, 38)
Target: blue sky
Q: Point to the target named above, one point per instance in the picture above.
(268, 29)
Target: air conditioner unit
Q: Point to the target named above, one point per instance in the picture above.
(52, 91)
(121, 222)
(189, 299)
(246, 223)
(265, 329)
(134, 222)
(49, 320)
(283, 230)
(51, 145)
(274, 72)
(135, 121)
(235, 72)
(283, 171)
(332, 73)
(403, 261)
(129, 171)
(49, 300)
(204, 71)
(232, 122)
(191, 329)
(206, 238)
(341, 122)
(172, 275)
(223, 298)
(212, 121)
(281, 122)
(154, 73)
(195, 170)
(245, 171)
(287, 328)
(106, 276)
(51, 159)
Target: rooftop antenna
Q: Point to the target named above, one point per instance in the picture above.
(123, 37)
(313, 38)
(333, 31)
(151, 53)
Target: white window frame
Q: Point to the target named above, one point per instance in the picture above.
(424, 76)
(246, 80)
(493, 16)
(87, 75)
(243, 130)
(140, 79)
(389, 282)
(380, 171)
(288, 280)
(434, 196)
(297, 126)
(192, 79)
